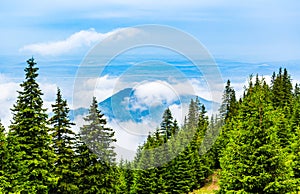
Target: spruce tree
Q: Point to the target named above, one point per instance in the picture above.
(3, 159)
(229, 102)
(92, 173)
(145, 177)
(192, 118)
(96, 153)
(281, 89)
(227, 110)
(166, 126)
(97, 136)
(31, 156)
(254, 161)
(64, 147)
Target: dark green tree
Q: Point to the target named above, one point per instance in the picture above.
(192, 117)
(254, 161)
(281, 89)
(92, 173)
(3, 159)
(127, 174)
(64, 141)
(97, 136)
(97, 154)
(229, 102)
(145, 176)
(31, 156)
(166, 126)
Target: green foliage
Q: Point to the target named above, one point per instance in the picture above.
(30, 155)
(254, 161)
(97, 136)
(95, 155)
(174, 164)
(258, 148)
(229, 103)
(167, 128)
(64, 147)
(281, 89)
(92, 177)
(3, 159)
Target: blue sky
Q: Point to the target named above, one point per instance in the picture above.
(245, 37)
(252, 30)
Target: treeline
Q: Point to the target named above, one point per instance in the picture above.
(43, 155)
(253, 140)
(259, 146)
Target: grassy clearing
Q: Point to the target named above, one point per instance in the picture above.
(211, 186)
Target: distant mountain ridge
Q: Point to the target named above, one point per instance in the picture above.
(115, 107)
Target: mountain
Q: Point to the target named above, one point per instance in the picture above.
(121, 106)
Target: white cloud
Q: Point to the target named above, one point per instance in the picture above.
(153, 94)
(130, 135)
(8, 97)
(179, 111)
(82, 39)
(49, 90)
(102, 88)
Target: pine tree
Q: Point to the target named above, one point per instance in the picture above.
(254, 161)
(145, 177)
(64, 147)
(97, 136)
(192, 118)
(3, 159)
(229, 102)
(281, 89)
(127, 174)
(166, 126)
(96, 153)
(295, 130)
(92, 173)
(31, 156)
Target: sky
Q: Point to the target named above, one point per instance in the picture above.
(243, 37)
(253, 30)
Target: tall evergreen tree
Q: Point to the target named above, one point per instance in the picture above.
(229, 102)
(97, 136)
(64, 147)
(254, 161)
(3, 159)
(31, 156)
(227, 110)
(281, 89)
(166, 126)
(192, 119)
(96, 153)
(145, 177)
(92, 173)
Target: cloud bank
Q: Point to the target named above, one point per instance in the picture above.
(76, 41)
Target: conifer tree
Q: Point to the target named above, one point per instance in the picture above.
(145, 178)
(229, 102)
(254, 161)
(64, 147)
(127, 172)
(31, 156)
(295, 130)
(92, 173)
(96, 153)
(166, 126)
(192, 118)
(3, 159)
(281, 89)
(97, 136)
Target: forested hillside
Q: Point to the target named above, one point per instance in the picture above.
(253, 142)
